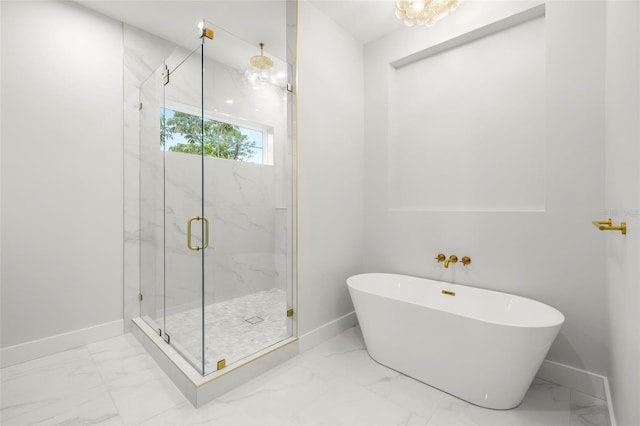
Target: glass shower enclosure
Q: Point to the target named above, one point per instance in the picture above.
(217, 200)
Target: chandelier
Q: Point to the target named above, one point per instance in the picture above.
(424, 12)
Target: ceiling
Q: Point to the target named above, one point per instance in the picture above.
(365, 20)
(255, 21)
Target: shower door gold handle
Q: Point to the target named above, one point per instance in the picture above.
(206, 233)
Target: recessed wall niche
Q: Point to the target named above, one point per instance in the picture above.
(467, 122)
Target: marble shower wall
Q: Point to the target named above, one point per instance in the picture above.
(243, 201)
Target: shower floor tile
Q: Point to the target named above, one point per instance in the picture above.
(233, 329)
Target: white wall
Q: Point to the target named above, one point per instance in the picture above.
(480, 132)
(330, 169)
(554, 255)
(61, 170)
(623, 204)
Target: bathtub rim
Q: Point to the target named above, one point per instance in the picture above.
(556, 312)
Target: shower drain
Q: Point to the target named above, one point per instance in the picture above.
(254, 320)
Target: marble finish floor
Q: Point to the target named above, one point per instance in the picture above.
(234, 329)
(115, 382)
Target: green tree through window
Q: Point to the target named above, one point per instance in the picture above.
(221, 140)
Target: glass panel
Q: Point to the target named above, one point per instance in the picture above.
(247, 273)
(151, 203)
(184, 230)
(286, 248)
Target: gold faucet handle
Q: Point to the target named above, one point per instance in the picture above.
(466, 260)
(440, 257)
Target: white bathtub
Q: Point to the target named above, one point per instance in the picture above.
(482, 346)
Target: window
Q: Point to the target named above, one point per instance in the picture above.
(182, 132)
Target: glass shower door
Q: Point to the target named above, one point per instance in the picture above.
(248, 196)
(185, 228)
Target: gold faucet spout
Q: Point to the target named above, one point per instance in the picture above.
(452, 259)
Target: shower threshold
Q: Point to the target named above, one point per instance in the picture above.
(199, 389)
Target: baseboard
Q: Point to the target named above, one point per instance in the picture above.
(62, 342)
(327, 331)
(573, 378)
(580, 380)
(58, 343)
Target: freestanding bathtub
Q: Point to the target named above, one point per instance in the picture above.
(480, 345)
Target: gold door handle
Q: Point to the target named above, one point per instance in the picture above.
(206, 233)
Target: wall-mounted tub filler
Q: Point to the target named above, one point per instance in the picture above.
(452, 259)
(443, 335)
